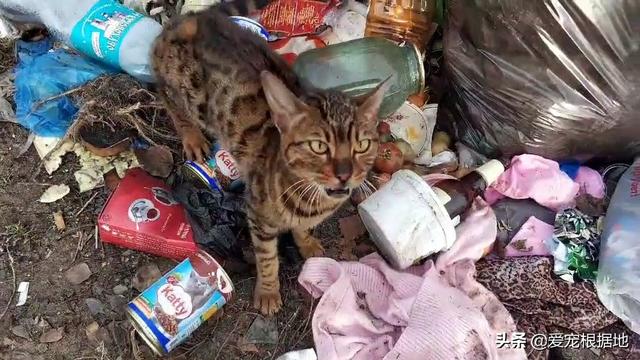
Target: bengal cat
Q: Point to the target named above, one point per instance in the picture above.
(300, 151)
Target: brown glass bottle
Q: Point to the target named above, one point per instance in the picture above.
(401, 20)
(458, 195)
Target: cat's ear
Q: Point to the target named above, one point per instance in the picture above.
(286, 108)
(369, 104)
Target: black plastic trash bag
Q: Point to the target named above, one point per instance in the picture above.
(556, 78)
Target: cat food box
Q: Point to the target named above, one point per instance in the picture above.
(177, 304)
(142, 215)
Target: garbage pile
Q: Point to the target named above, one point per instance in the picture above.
(497, 214)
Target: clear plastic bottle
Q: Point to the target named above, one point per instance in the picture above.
(358, 66)
(401, 20)
(103, 29)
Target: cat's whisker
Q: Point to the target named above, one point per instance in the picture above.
(289, 188)
(363, 187)
(318, 199)
(300, 185)
(310, 186)
(372, 187)
(315, 195)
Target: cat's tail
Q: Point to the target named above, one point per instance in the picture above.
(242, 7)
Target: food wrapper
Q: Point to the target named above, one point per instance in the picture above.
(290, 48)
(289, 18)
(575, 245)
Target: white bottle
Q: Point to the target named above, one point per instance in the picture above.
(103, 29)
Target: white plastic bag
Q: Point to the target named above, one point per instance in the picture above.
(618, 282)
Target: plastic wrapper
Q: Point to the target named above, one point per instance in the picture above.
(556, 78)
(618, 280)
(43, 73)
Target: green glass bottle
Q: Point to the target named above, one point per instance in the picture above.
(358, 66)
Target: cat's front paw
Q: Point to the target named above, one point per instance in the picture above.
(195, 145)
(311, 248)
(268, 302)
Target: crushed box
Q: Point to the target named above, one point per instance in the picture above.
(142, 215)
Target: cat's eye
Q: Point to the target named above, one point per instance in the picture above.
(318, 146)
(363, 145)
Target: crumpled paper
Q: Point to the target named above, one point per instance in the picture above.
(93, 168)
(54, 193)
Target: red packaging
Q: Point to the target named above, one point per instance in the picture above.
(289, 49)
(287, 18)
(142, 215)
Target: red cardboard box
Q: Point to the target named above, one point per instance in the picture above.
(142, 215)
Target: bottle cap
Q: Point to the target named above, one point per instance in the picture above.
(490, 171)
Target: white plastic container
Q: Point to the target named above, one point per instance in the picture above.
(102, 29)
(407, 221)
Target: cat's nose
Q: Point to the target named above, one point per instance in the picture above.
(343, 178)
(343, 171)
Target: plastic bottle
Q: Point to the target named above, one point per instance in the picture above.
(401, 20)
(358, 66)
(103, 29)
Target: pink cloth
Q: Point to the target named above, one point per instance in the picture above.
(369, 311)
(529, 240)
(590, 182)
(532, 176)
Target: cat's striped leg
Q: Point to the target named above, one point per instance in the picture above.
(308, 245)
(266, 295)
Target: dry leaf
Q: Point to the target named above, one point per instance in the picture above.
(54, 193)
(58, 219)
(157, 160)
(52, 335)
(111, 180)
(20, 331)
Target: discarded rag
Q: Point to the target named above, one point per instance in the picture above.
(532, 176)
(531, 238)
(539, 301)
(512, 214)
(370, 311)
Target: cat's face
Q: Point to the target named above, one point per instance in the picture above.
(196, 284)
(327, 138)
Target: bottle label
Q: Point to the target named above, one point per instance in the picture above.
(444, 198)
(100, 32)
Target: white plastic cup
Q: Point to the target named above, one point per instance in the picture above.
(406, 220)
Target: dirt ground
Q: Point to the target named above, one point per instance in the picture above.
(41, 254)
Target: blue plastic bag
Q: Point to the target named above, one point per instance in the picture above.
(41, 74)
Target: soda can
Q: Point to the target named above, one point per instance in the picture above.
(171, 309)
(220, 172)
